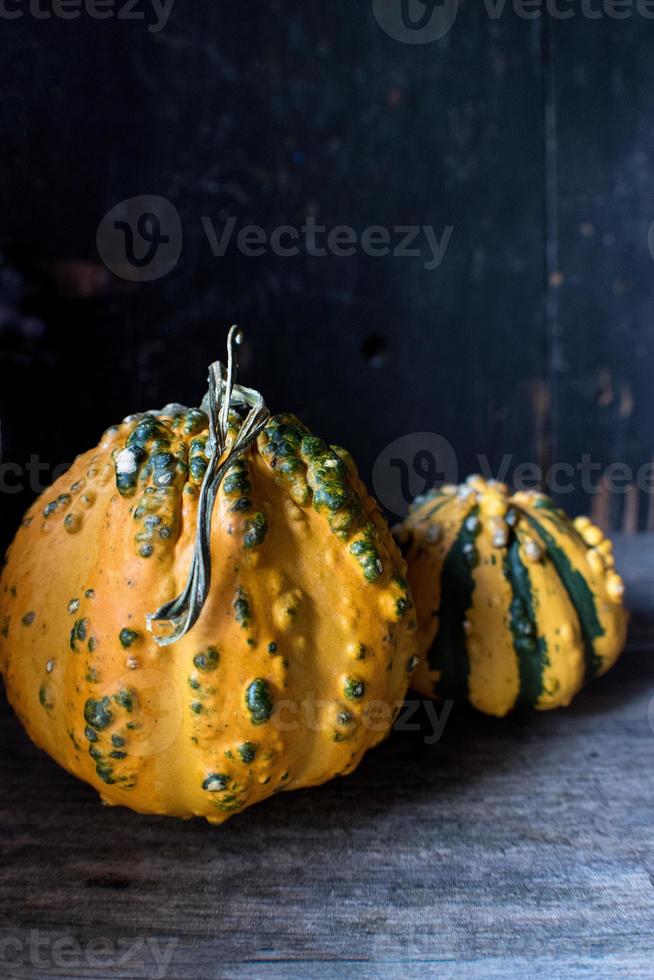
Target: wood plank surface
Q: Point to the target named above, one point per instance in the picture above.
(519, 847)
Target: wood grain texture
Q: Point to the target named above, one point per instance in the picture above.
(602, 288)
(520, 847)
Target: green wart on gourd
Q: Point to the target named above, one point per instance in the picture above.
(247, 752)
(354, 689)
(207, 660)
(78, 633)
(98, 714)
(157, 460)
(242, 608)
(320, 474)
(259, 701)
(125, 698)
(215, 782)
(45, 698)
(62, 502)
(197, 460)
(105, 759)
(256, 529)
(128, 637)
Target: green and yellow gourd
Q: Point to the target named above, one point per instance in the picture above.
(283, 660)
(516, 603)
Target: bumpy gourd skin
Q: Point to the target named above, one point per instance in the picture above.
(300, 657)
(516, 603)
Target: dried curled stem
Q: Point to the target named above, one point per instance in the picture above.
(178, 616)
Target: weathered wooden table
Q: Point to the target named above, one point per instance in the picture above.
(523, 846)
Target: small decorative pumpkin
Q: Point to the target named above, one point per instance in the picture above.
(516, 603)
(286, 656)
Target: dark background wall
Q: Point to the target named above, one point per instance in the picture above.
(532, 138)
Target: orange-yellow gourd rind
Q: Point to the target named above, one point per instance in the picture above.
(516, 603)
(298, 662)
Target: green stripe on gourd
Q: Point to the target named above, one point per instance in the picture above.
(440, 500)
(319, 474)
(547, 613)
(530, 648)
(559, 519)
(579, 594)
(237, 487)
(280, 445)
(449, 653)
(197, 460)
